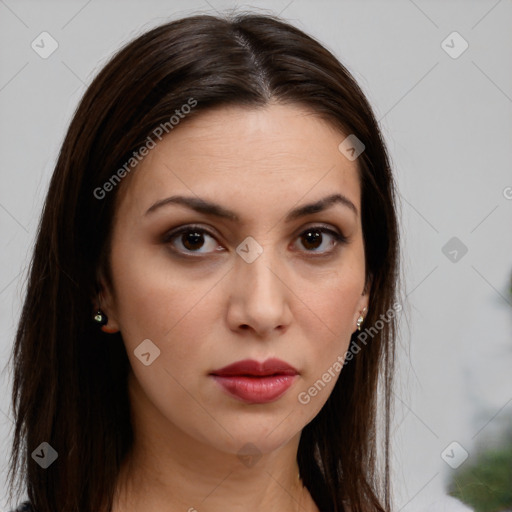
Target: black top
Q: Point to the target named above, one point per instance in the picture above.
(24, 507)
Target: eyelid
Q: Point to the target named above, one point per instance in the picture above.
(170, 235)
(184, 229)
(336, 233)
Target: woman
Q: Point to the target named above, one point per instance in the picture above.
(219, 226)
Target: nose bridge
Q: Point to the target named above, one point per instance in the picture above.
(259, 293)
(254, 268)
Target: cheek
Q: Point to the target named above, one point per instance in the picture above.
(159, 303)
(335, 322)
(333, 304)
(328, 339)
(334, 296)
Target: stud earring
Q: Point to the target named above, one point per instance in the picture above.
(360, 320)
(100, 318)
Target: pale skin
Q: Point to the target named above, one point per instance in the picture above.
(214, 308)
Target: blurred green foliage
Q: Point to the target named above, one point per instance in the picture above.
(486, 483)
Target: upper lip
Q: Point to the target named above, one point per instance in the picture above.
(251, 367)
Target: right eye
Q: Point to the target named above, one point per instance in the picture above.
(189, 239)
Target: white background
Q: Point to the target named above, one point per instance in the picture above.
(448, 126)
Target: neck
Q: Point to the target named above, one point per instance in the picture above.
(167, 470)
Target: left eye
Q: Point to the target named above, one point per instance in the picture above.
(192, 239)
(314, 238)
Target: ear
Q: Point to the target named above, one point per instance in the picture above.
(364, 301)
(105, 300)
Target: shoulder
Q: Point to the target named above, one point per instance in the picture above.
(24, 507)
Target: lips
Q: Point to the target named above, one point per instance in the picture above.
(256, 383)
(250, 367)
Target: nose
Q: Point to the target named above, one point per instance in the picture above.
(259, 297)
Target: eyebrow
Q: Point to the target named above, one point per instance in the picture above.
(209, 208)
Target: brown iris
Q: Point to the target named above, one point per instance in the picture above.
(313, 237)
(192, 240)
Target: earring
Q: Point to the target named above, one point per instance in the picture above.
(360, 320)
(101, 318)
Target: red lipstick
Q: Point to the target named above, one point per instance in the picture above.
(254, 382)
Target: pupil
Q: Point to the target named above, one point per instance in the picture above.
(313, 238)
(192, 238)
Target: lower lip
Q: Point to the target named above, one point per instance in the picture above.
(256, 390)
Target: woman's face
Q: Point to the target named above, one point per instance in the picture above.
(246, 280)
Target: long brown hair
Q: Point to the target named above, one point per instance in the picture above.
(70, 386)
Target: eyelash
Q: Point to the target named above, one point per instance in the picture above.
(339, 238)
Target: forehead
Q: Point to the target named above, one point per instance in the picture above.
(252, 155)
